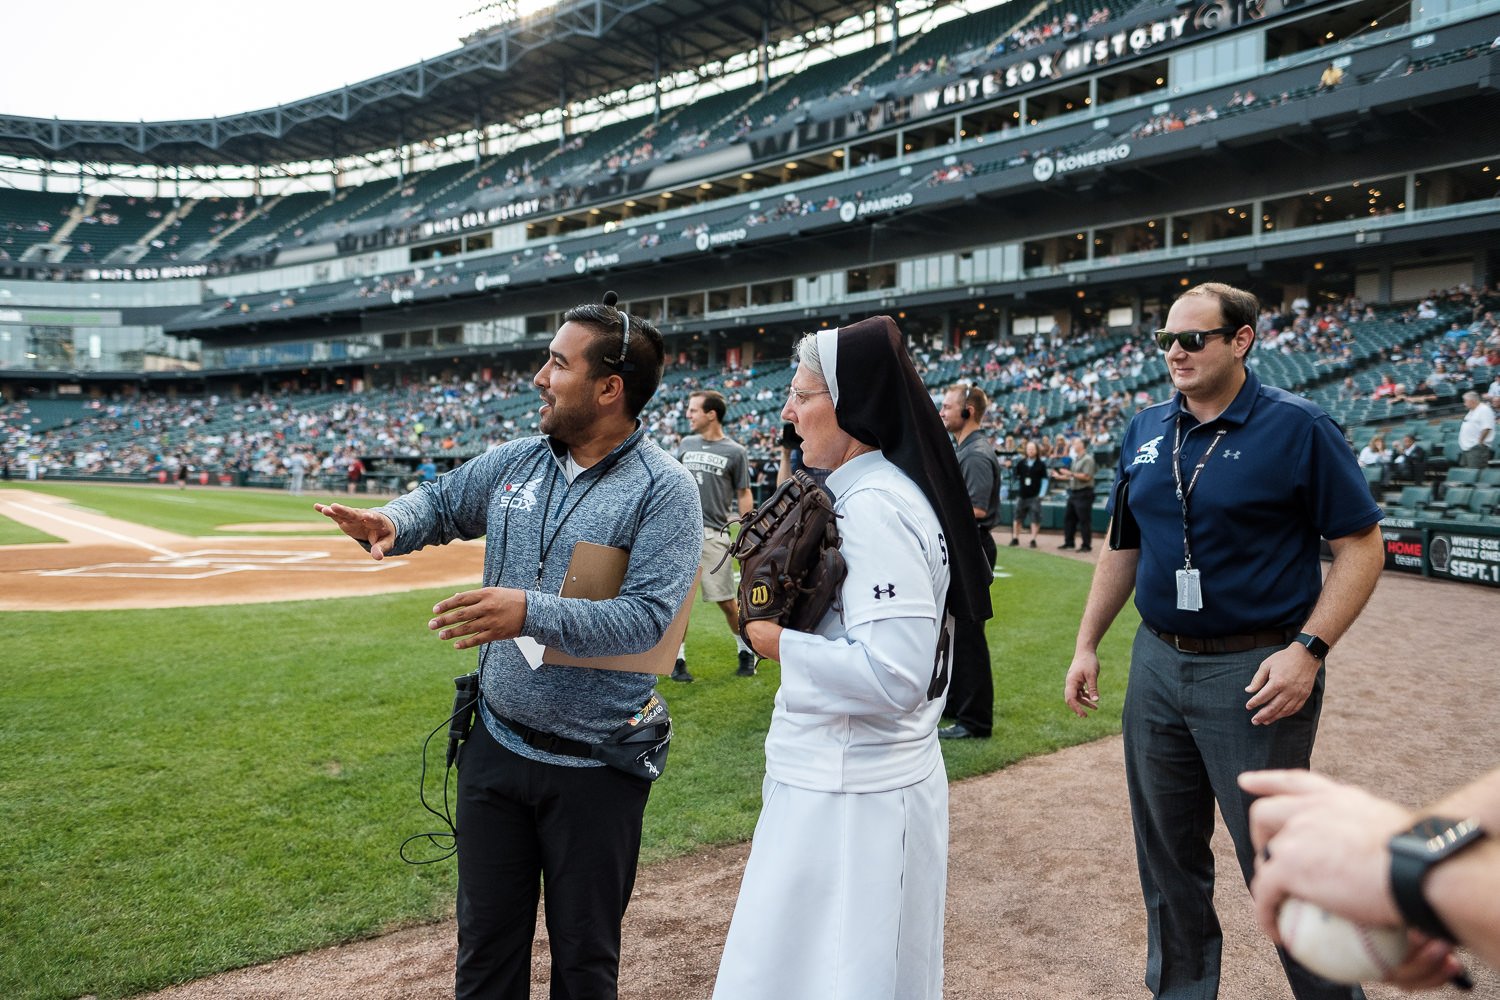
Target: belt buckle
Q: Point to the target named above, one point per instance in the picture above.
(1177, 644)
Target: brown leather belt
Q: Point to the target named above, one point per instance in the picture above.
(1212, 645)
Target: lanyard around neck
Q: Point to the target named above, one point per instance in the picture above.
(1183, 494)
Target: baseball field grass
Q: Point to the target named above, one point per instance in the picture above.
(189, 790)
(14, 533)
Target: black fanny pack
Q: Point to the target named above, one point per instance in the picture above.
(639, 747)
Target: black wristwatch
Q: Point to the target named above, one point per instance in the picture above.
(1317, 647)
(1413, 854)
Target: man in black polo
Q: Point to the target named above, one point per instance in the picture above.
(1225, 490)
(971, 691)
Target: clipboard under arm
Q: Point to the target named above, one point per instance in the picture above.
(595, 573)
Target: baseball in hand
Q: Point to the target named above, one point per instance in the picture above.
(1337, 949)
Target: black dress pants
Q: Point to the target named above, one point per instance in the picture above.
(1078, 516)
(574, 832)
(971, 689)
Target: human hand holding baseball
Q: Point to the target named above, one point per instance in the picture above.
(368, 526)
(1325, 843)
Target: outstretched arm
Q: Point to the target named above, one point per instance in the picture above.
(370, 528)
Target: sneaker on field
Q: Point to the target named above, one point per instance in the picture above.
(747, 664)
(680, 672)
(1014, 542)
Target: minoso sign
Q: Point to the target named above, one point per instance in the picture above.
(1044, 168)
(706, 241)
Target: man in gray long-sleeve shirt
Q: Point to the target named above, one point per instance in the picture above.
(533, 805)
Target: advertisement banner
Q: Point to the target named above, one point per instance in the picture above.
(1403, 549)
(1470, 558)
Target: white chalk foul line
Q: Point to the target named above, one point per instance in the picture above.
(162, 568)
(117, 536)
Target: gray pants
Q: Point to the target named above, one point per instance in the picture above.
(1187, 739)
(1476, 457)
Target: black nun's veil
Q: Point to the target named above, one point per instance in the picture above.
(880, 401)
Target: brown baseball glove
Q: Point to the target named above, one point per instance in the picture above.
(790, 565)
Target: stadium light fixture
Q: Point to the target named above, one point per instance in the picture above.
(747, 177)
(705, 186)
(630, 204)
(791, 165)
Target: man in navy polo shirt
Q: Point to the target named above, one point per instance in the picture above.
(1221, 496)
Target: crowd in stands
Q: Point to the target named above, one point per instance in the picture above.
(1047, 387)
(1030, 35)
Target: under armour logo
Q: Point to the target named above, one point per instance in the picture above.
(889, 591)
(1232, 454)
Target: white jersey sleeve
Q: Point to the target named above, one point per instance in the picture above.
(897, 558)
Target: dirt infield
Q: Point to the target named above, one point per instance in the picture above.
(1043, 902)
(108, 563)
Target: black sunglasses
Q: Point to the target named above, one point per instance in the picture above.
(1192, 340)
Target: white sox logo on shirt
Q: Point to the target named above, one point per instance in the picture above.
(520, 496)
(1146, 454)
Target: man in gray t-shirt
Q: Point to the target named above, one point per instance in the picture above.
(721, 468)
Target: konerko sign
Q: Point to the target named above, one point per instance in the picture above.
(1044, 168)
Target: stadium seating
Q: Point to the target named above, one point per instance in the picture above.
(30, 217)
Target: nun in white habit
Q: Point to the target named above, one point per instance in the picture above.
(842, 898)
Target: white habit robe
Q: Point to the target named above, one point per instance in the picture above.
(843, 895)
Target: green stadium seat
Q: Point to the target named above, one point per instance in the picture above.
(1483, 500)
(1415, 496)
(1457, 476)
(1454, 498)
(1489, 476)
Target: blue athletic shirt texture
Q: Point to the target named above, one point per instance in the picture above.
(1281, 476)
(638, 498)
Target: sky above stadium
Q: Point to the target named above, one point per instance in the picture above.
(108, 61)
